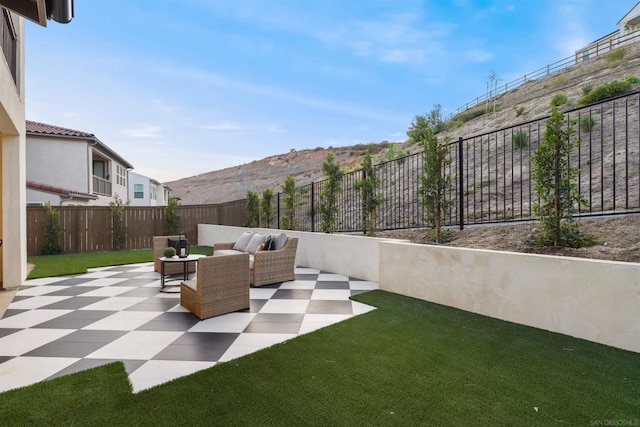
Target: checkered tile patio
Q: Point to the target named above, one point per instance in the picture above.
(56, 326)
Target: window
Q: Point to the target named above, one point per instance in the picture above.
(99, 169)
(121, 176)
(154, 193)
(138, 191)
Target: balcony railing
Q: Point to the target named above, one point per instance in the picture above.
(9, 43)
(101, 186)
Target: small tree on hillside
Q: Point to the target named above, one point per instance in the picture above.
(52, 232)
(266, 208)
(118, 225)
(329, 195)
(252, 211)
(171, 217)
(289, 190)
(368, 186)
(556, 187)
(435, 181)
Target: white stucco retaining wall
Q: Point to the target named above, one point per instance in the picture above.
(355, 256)
(590, 299)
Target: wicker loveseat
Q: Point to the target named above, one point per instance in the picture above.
(160, 243)
(221, 286)
(266, 266)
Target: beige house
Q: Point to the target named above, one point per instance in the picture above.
(628, 32)
(70, 167)
(13, 251)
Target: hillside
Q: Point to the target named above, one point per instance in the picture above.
(305, 165)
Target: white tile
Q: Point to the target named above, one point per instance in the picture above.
(250, 343)
(137, 345)
(98, 274)
(108, 291)
(103, 282)
(124, 320)
(261, 293)
(114, 303)
(285, 306)
(312, 322)
(331, 294)
(330, 277)
(156, 372)
(231, 322)
(359, 308)
(306, 270)
(39, 290)
(36, 302)
(44, 281)
(363, 285)
(299, 284)
(31, 318)
(23, 371)
(26, 340)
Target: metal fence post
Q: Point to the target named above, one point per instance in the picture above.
(278, 200)
(313, 210)
(461, 182)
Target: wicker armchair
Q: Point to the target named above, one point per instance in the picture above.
(221, 286)
(159, 245)
(270, 266)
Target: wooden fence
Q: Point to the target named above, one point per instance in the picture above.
(88, 228)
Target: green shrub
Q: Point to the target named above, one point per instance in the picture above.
(519, 111)
(616, 55)
(470, 115)
(605, 91)
(559, 99)
(118, 223)
(559, 81)
(252, 209)
(171, 217)
(520, 139)
(587, 88)
(52, 231)
(587, 124)
(632, 79)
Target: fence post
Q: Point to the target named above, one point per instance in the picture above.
(278, 199)
(460, 182)
(313, 210)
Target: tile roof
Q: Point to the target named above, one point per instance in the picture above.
(36, 127)
(58, 190)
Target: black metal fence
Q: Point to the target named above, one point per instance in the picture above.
(491, 174)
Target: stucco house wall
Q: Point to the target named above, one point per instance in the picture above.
(13, 262)
(58, 161)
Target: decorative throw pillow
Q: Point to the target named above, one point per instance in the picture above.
(269, 244)
(260, 248)
(243, 241)
(256, 240)
(279, 240)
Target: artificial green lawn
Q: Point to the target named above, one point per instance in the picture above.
(61, 265)
(409, 362)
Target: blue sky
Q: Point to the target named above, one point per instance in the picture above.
(180, 88)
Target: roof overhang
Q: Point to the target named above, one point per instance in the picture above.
(39, 11)
(35, 10)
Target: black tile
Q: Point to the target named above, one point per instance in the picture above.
(292, 294)
(170, 322)
(92, 336)
(329, 307)
(132, 283)
(8, 331)
(308, 277)
(141, 292)
(76, 319)
(72, 291)
(126, 275)
(72, 281)
(5, 358)
(65, 349)
(12, 312)
(255, 305)
(73, 303)
(17, 298)
(154, 304)
(328, 284)
(198, 346)
(121, 268)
